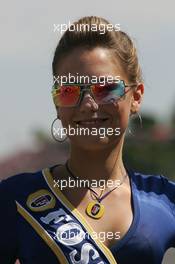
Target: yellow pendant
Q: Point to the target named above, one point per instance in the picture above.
(95, 210)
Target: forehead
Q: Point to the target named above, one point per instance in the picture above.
(97, 61)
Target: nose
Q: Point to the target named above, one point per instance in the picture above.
(88, 103)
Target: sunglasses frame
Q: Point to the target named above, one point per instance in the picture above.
(87, 87)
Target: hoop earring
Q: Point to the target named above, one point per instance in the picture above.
(57, 132)
(130, 132)
(140, 121)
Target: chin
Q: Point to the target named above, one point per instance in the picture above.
(94, 142)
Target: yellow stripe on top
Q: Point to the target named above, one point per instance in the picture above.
(43, 234)
(48, 177)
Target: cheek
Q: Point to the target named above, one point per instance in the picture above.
(122, 113)
(65, 115)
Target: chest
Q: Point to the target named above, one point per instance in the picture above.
(115, 222)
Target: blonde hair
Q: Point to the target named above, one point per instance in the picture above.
(117, 42)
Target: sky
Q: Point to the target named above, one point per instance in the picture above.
(27, 46)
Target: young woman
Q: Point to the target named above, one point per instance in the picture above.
(132, 218)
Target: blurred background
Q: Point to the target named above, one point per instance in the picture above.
(28, 41)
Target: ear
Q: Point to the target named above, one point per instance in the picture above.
(137, 98)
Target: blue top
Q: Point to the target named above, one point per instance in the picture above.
(34, 213)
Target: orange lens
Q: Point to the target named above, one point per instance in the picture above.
(67, 95)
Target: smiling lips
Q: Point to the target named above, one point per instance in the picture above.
(93, 121)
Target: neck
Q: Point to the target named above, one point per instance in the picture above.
(100, 164)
